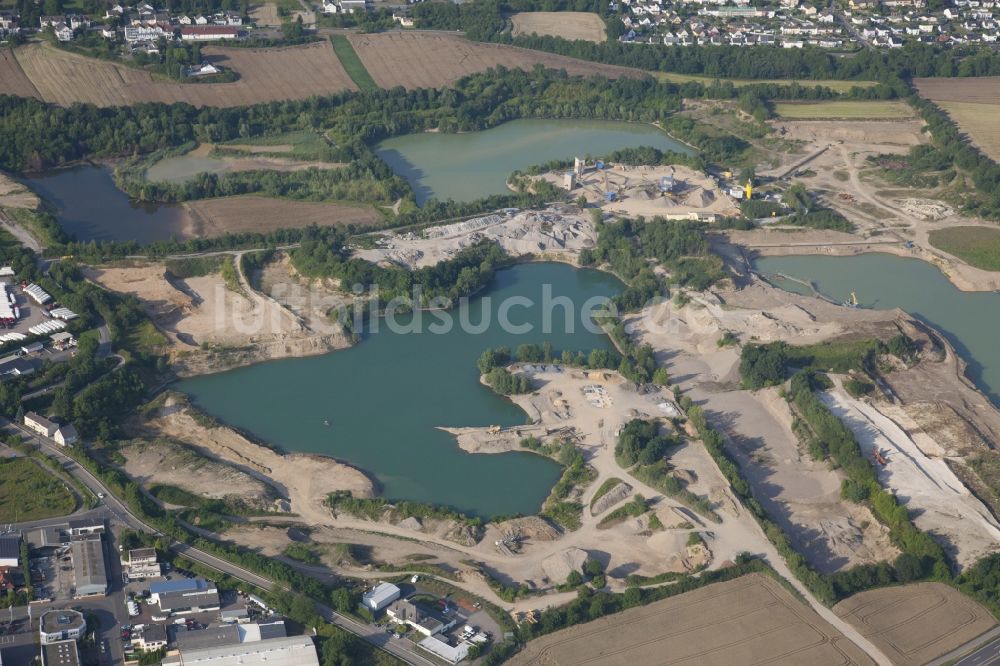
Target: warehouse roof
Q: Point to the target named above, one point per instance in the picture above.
(206, 638)
(88, 566)
(10, 546)
(292, 651)
(61, 653)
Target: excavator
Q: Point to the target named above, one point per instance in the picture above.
(877, 454)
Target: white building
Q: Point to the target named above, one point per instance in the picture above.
(287, 651)
(380, 596)
(61, 625)
(40, 424)
(208, 33)
(142, 564)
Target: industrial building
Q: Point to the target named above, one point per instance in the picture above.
(78, 526)
(151, 637)
(61, 625)
(10, 550)
(142, 564)
(380, 596)
(288, 651)
(63, 653)
(88, 565)
(423, 620)
(231, 634)
(444, 650)
(189, 595)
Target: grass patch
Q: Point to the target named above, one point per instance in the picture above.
(300, 552)
(846, 110)
(352, 63)
(632, 509)
(194, 266)
(836, 86)
(146, 337)
(301, 144)
(27, 492)
(604, 489)
(976, 246)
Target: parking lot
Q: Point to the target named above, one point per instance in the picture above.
(52, 577)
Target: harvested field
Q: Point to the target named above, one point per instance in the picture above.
(568, 25)
(265, 15)
(13, 80)
(979, 122)
(914, 624)
(848, 110)
(432, 60)
(215, 217)
(748, 620)
(980, 89)
(295, 72)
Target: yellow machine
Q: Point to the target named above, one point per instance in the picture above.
(854, 300)
(748, 188)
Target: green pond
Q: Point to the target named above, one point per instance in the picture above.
(384, 398)
(969, 320)
(181, 168)
(472, 165)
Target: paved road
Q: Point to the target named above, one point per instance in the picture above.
(980, 651)
(403, 650)
(984, 656)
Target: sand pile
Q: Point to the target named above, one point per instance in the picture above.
(559, 565)
(699, 197)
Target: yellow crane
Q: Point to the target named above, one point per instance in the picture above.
(748, 188)
(853, 301)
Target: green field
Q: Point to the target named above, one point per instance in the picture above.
(27, 492)
(843, 110)
(352, 63)
(303, 144)
(836, 86)
(976, 246)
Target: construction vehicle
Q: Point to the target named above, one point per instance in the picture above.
(878, 456)
(852, 302)
(494, 430)
(748, 188)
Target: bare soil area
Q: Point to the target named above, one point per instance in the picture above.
(15, 195)
(637, 190)
(887, 217)
(302, 479)
(914, 624)
(433, 60)
(166, 462)
(557, 233)
(208, 218)
(293, 72)
(801, 495)
(568, 25)
(314, 301)
(921, 479)
(212, 326)
(748, 620)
